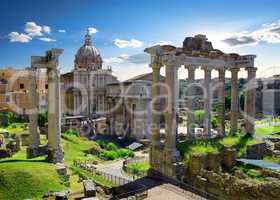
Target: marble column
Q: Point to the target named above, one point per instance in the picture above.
(234, 101)
(54, 108)
(190, 100)
(155, 105)
(207, 100)
(171, 112)
(221, 97)
(250, 101)
(33, 109)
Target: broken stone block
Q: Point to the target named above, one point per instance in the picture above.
(25, 139)
(89, 188)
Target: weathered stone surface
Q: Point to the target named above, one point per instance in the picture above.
(25, 139)
(61, 169)
(256, 151)
(197, 162)
(12, 145)
(197, 43)
(33, 152)
(229, 158)
(89, 188)
(214, 162)
(5, 153)
(227, 186)
(277, 146)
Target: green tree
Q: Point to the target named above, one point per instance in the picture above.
(199, 116)
(42, 118)
(227, 102)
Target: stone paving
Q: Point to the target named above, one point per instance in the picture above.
(170, 192)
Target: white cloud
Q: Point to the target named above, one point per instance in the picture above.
(92, 30)
(128, 43)
(269, 33)
(141, 58)
(19, 37)
(162, 42)
(62, 30)
(45, 39)
(46, 29)
(32, 29)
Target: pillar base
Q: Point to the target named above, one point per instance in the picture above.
(172, 155)
(33, 151)
(55, 155)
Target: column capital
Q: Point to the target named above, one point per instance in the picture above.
(206, 68)
(234, 69)
(156, 61)
(190, 67)
(251, 69)
(221, 70)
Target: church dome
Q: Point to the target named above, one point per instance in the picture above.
(88, 57)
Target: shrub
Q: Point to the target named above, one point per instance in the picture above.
(101, 143)
(72, 132)
(14, 126)
(214, 122)
(94, 150)
(199, 116)
(125, 153)
(138, 168)
(42, 118)
(110, 155)
(111, 147)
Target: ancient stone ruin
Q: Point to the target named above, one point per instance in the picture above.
(197, 52)
(53, 148)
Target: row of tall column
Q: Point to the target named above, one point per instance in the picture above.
(170, 120)
(249, 110)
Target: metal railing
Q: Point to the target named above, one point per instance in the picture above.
(89, 166)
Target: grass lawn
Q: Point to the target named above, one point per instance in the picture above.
(88, 175)
(15, 128)
(204, 146)
(74, 146)
(138, 168)
(267, 130)
(23, 179)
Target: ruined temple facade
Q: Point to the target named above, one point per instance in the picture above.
(197, 52)
(85, 86)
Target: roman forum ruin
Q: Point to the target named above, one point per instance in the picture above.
(197, 52)
(53, 148)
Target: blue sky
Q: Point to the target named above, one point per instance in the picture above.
(125, 28)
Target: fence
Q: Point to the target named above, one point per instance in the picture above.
(89, 166)
(118, 181)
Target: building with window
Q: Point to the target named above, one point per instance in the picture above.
(14, 90)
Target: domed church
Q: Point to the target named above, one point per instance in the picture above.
(84, 88)
(88, 57)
